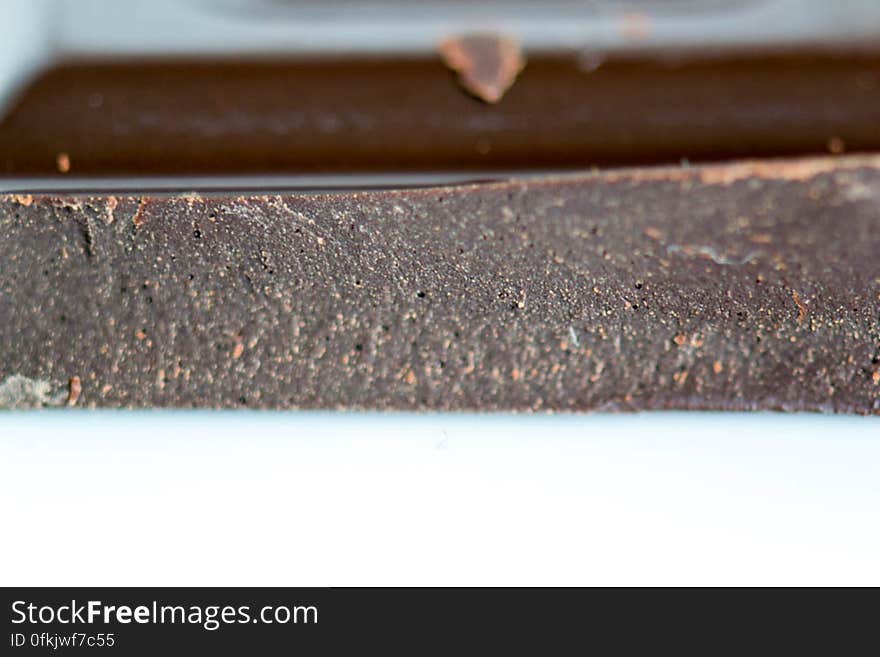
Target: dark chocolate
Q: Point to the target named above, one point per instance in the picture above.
(740, 286)
(383, 115)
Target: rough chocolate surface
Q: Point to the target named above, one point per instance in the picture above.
(745, 286)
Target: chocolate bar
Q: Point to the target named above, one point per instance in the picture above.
(738, 286)
(373, 114)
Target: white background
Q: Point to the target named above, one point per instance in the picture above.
(249, 498)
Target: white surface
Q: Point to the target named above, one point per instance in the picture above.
(111, 27)
(200, 498)
(26, 28)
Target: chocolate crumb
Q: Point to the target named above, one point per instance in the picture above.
(138, 218)
(836, 145)
(653, 233)
(487, 64)
(62, 161)
(802, 309)
(74, 389)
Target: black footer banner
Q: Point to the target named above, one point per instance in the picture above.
(217, 621)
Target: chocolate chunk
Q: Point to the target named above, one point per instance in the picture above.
(165, 118)
(751, 285)
(487, 64)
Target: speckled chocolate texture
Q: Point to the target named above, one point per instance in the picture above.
(742, 286)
